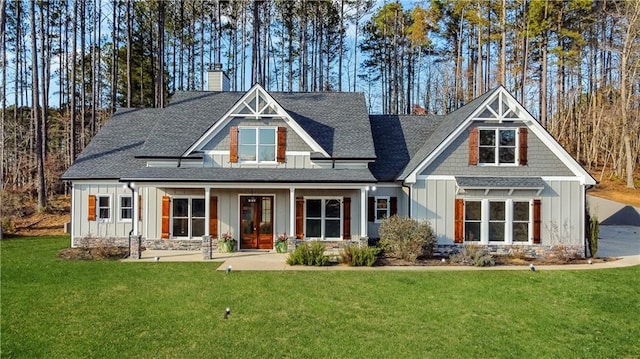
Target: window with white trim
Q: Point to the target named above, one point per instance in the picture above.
(103, 208)
(126, 208)
(497, 146)
(383, 208)
(323, 218)
(188, 217)
(498, 221)
(257, 144)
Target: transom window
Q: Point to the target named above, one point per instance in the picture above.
(323, 218)
(497, 146)
(382, 208)
(506, 221)
(257, 144)
(126, 208)
(104, 207)
(188, 217)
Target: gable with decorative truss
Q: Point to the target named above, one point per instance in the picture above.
(256, 105)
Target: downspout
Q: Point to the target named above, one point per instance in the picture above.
(133, 213)
(409, 201)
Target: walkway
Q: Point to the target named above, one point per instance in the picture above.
(622, 242)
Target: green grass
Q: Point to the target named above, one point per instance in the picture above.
(52, 308)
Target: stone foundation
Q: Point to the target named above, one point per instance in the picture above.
(172, 244)
(330, 246)
(527, 251)
(206, 247)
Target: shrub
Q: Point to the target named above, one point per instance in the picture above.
(594, 231)
(406, 238)
(473, 255)
(357, 256)
(309, 254)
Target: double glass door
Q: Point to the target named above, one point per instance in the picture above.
(256, 213)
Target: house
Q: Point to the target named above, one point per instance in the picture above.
(317, 166)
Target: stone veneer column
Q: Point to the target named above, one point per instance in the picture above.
(206, 247)
(134, 247)
(291, 244)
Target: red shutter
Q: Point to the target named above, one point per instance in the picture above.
(213, 217)
(282, 144)
(139, 207)
(299, 218)
(346, 223)
(371, 211)
(473, 146)
(536, 221)
(233, 144)
(166, 205)
(522, 151)
(458, 236)
(92, 207)
(394, 206)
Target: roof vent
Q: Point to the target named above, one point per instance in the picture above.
(217, 80)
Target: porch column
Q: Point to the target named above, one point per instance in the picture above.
(207, 210)
(363, 211)
(292, 211)
(134, 212)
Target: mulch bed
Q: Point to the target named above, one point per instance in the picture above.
(97, 253)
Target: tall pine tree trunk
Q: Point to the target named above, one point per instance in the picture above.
(35, 111)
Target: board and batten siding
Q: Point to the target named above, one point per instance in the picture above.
(387, 191)
(82, 227)
(433, 201)
(562, 213)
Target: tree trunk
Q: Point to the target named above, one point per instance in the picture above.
(35, 111)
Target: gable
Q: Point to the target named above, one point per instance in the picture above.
(497, 109)
(253, 108)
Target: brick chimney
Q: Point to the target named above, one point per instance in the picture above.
(217, 80)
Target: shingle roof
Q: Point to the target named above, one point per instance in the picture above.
(111, 152)
(397, 139)
(282, 175)
(338, 121)
(499, 182)
(446, 127)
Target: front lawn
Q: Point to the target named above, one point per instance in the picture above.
(57, 308)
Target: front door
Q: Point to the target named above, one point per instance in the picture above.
(256, 213)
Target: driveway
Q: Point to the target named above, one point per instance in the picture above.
(618, 241)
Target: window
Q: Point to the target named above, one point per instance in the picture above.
(497, 146)
(472, 220)
(188, 217)
(382, 208)
(257, 144)
(126, 208)
(323, 218)
(505, 221)
(104, 208)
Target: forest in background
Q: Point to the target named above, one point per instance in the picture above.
(67, 65)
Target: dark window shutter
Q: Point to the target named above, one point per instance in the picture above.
(394, 206)
(166, 205)
(371, 211)
(299, 217)
(346, 223)
(233, 144)
(213, 217)
(536, 221)
(523, 145)
(92, 207)
(282, 144)
(458, 236)
(139, 207)
(473, 146)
